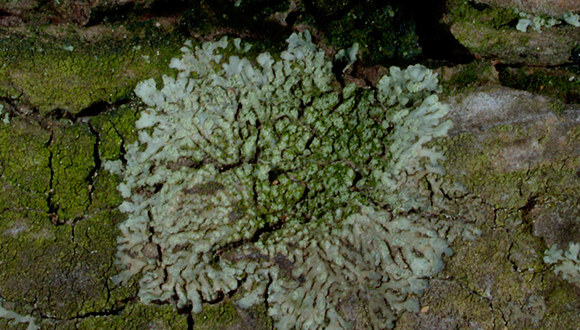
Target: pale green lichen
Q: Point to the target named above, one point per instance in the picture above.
(538, 22)
(267, 177)
(17, 318)
(567, 263)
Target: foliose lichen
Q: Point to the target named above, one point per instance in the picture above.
(567, 263)
(267, 177)
(17, 318)
(537, 22)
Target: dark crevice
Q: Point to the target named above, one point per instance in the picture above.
(435, 37)
(527, 209)
(98, 108)
(110, 15)
(478, 5)
(273, 175)
(52, 118)
(122, 150)
(258, 151)
(310, 140)
(292, 17)
(502, 66)
(97, 160)
(220, 296)
(163, 8)
(429, 188)
(189, 321)
(227, 167)
(59, 114)
(82, 116)
(509, 258)
(128, 11)
(325, 18)
(267, 228)
(109, 312)
(357, 177)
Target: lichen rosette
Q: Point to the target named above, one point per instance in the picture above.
(265, 176)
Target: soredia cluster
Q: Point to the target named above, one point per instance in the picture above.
(265, 176)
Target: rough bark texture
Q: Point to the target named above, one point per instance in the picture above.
(66, 80)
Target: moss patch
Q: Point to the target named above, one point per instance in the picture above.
(563, 84)
(70, 161)
(226, 316)
(385, 33)
(58, 224)
(514, 170)
(24, 166)
(490, 32)
(51, 72)
(467, 77)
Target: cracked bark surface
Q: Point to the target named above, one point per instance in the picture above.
(519, 160)
(59, 271)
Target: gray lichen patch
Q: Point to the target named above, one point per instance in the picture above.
(264, 175)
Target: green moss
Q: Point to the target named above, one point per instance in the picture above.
(503, 272)
(480, 27)
(506, 165)
(55, 171)
(114, 130)
(51, 72)
(509, 276)
(472, 11)
(62, 271)
(517, 185)
(45, 172)
(37, 264)
(254, 17)
(71, 161)
(24, 166)
(463, 78)
(467, 76)
(490, 32)
(226, 315)
(562, 306)
(560, 83)
(482, 39)
(384, 32)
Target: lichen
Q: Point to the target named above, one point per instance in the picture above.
(537, 22)
(267, 177)
(566, 262)
(17, 318)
